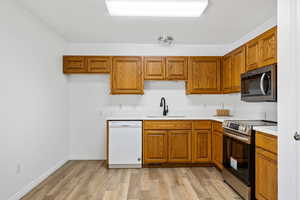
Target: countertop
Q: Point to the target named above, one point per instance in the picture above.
(218, 119)
(272, 130)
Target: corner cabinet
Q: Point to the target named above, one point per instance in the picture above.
(217, 144)
(127, 75)
(266, 183)
(204, 75)
(226, 73)
(232, 68)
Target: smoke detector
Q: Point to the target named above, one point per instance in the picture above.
(165, 39)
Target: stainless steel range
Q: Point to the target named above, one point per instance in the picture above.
(239, 155)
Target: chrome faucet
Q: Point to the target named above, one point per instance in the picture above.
(163, 104)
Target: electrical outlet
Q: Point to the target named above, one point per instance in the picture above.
(19, 168)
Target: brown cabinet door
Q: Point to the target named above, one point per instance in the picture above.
(74, 64)
(99, 64)
(180, 147)
(226, 74)
(155, 146)
(268, 49)
(176, 68)
(217, 148)
(154, 68)
(266, 175)
(252, 54)
(127, 75)
(201, 146)
(237, 68)
(204, 75)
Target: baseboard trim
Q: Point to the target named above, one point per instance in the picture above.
(74, 157)
(37, 181)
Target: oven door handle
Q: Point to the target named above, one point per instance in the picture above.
(239, 138)
(262, 89)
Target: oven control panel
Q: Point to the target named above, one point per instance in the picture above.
(242, 128)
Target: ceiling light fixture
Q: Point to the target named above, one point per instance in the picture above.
(157, 8)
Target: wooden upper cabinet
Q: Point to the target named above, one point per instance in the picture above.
(237, 68)
(99, 64)
(201, 145)
(180, 146)
(176, 68)
(127, 75)
(154, 68)
(74, 64)
(252, 54)
(155, 147)
(204, 75)
(226, 73)
(268, 47)
(262, 50)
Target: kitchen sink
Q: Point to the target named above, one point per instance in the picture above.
(168, 116)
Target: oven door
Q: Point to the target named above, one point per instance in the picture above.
(238, 156)
(259, 85)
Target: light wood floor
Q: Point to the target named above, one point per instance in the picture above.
(90, 180)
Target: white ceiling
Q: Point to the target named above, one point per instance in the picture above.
(224, 21)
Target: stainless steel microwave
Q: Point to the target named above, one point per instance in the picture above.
(259, 85)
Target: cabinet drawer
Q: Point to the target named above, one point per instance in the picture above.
(165, 125)
(217, 126)
(204, 124)
(267, 142)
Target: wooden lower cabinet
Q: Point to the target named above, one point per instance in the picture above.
(180, 146)
(266, 175)
(217, 148)
(155, 146)
(201, 145)
(176, 141)
(266, 183)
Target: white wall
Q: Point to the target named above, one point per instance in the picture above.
(254, 33)
(33, 103)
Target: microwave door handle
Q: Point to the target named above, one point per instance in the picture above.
(262, 89)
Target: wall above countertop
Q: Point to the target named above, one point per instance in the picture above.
(90, 105)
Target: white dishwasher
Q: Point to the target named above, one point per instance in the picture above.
(125, 144)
